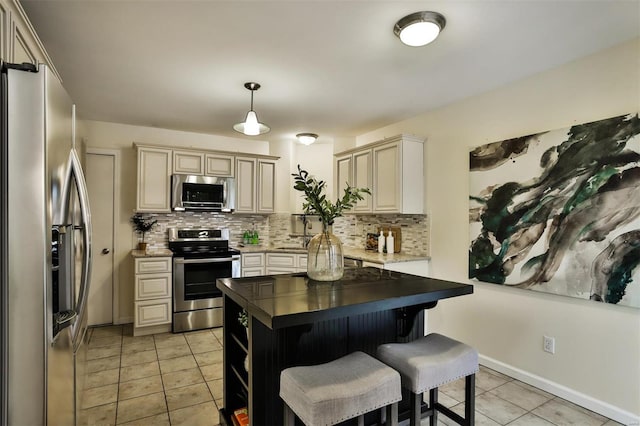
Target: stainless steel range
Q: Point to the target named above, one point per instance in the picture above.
(200, 257)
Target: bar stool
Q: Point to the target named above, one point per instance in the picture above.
(348, 387)
(429, 362)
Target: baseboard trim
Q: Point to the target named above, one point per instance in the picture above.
(600, 407)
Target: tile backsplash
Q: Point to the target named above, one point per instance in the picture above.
(275, 229)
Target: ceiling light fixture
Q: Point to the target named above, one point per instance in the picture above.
(419, 28)
(251, 125)
(307, 138)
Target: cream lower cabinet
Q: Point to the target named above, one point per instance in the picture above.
(152, 298)
(286, 263)
(154, 180)
(252, 264)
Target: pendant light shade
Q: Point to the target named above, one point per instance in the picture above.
(251, 126)
(420, 28)
(306, 138)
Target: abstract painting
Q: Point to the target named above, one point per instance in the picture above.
(559, 211)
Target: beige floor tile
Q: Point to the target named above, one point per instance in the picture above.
(173, 351)
(487, 381)
(101, 415)
(127, 329)
(96, 342)
(205, 414)
(166, 340)
(561, 413)
(498, 409)
(534, 389)
(101, 378)
(612, 423)
(139, 358)
(522, 397)
(176, 364)
(139, 387)
(495, 373)
(480, 419)
(444, 399)
(143, 406)
(139, 371)
(103, 364)
(455, 390)
(582, 409)
(187, 396)
(208, 358)
(133, 347)
(181, 378)
(99, 396)
(530, 420)
(157, 420)
(137, 340)
(212, 372)
(218, 333)
(103, 352)
(215, 387)
(111, 330)
(200, 346)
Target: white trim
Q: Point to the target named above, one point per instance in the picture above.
(125, 320)
(600, 407)
(116, 221)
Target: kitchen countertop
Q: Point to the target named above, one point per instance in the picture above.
(152, 253)
(349, 252)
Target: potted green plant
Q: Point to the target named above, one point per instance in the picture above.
(325, 261)
(142, 225)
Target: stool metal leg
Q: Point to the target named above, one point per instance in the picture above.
(289, 416)
(433, 400)
(470, 399)
(415, 402)
(392, 414)
(361, 420)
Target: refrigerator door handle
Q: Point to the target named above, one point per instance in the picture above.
(74, 171)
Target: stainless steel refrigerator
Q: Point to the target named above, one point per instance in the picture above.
(45, 257)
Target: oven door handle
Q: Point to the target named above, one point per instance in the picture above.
(181, 260)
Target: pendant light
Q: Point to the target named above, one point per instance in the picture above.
(420, 28)
(251, 126)
(306, 138)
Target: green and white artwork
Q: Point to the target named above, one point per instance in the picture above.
(559, 211)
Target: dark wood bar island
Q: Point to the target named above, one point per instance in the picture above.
(293, 320)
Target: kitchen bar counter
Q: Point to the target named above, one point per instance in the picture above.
(152, 253)
(293, 320)
(349, 252)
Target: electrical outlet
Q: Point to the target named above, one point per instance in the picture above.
(549, 344)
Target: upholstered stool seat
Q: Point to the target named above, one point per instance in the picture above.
(429, 362)
(342, 389)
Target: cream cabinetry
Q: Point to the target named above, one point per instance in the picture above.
(219, 165)
(252, 264)
(154, 179)
(188, 162)
(392, 169)
(18, 40)
(152, 295)
(286, 263)
(255, 181)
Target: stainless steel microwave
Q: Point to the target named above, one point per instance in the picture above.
(190, 192)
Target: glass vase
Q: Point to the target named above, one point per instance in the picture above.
(324, 260)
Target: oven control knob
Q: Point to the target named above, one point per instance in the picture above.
(105, 251)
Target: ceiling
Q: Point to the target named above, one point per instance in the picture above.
(330, 67)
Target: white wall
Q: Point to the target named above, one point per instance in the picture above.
(97, 134)
(597, 359)
(317, 159)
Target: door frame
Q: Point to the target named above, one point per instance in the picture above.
(116, 220)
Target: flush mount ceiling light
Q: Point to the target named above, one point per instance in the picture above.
(419, 28)
(306, 138)
(251, 125)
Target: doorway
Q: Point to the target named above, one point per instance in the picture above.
(101, 172)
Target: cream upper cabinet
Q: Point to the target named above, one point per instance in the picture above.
(255, 182)
(343, 173)
(362, 178)
(219, 165)
(154, 179)
(188, 162)
(18, 41)
(266, 186)
(392, 169)
(246, 185)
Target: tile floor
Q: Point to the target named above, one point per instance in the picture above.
(176, 379)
